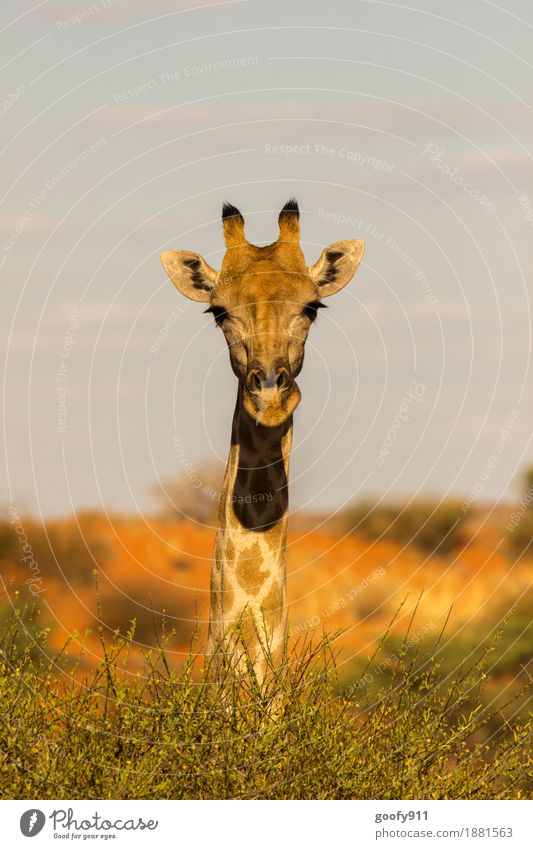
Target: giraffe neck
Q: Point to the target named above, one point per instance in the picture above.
(248, 580)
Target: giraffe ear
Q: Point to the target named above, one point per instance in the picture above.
(337, 265)
(190, 273)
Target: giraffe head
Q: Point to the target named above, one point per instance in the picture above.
(265, 299)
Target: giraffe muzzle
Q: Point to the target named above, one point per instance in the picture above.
(271, 394)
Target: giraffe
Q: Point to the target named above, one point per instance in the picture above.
(264, 299)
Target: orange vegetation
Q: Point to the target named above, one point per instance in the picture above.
(147, 569)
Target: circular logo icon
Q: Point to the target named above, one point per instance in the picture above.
(32, 822)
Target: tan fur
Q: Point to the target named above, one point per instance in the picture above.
(265, 300)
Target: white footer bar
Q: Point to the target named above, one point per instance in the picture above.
(264, 824)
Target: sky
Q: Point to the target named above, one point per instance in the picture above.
(125, 125)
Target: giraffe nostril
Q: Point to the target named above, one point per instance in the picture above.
(259, 381)
(254, 381)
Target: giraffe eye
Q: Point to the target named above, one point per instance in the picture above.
(310, 310)
(219, 314)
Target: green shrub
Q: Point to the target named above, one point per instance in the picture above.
(520, 538)
(496, 653)
(66, 551)
(433, 527)
(172, 734)
(520, 527)
(9, 544)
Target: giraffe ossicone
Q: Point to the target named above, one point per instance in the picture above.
(264, 299)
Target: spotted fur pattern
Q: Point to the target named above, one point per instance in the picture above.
(264, 299)
(248, 580)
